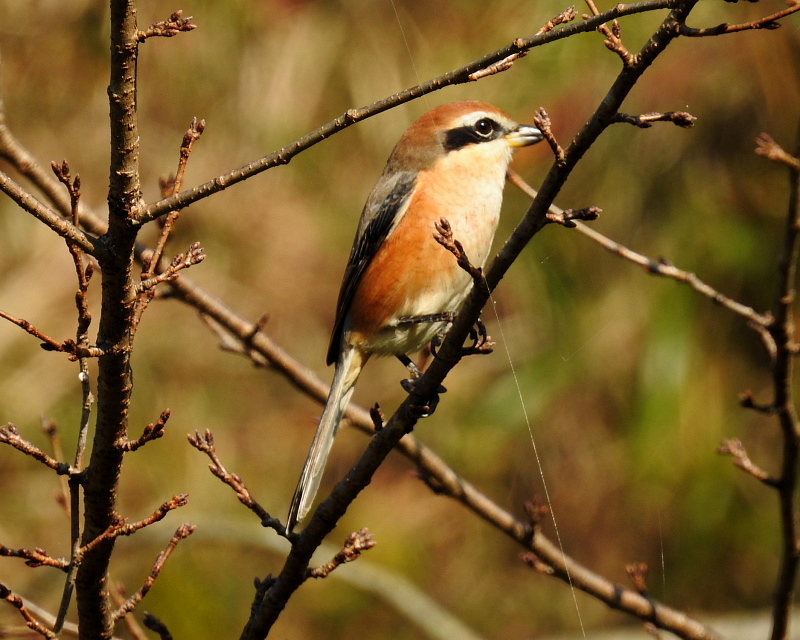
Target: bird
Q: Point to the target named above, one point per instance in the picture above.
(401, 287)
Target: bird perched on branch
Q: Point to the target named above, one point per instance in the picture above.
(401, 286)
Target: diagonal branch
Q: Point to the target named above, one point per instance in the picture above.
(768, 22)
(659, 267)
(184, 531)
(15, 601)
(62, 227)
(351, 116)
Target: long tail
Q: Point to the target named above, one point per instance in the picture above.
(348, 367)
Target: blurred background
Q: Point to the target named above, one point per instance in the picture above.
(629, 382)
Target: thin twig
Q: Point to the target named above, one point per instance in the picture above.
(768, 22)
(181, 261)
(660, 267)
(356, 542)
(172, 26)
(542, 121)
(152, 431)
(118, 595)
(351, 116)
(735, 448)
(767, 147)
(9, 434)
(15, 601)
(34, 557)
(68, 346)
(123, 528)
(646, 120)
(175, 184)
(62, 227)
(204, 442)
(184, 531)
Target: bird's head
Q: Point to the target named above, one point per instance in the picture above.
(470, 128)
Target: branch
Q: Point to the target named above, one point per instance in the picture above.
(356, 542)
(205, 443)
(152, 431)
(172, 26)
(122, 528)
(782, 332)
(736, 449)
(661, 267)
(646, 120)
(9, 434)
(116, 328)
(70, 347)
(351, 116)
(767, 147)
(184, 531)
(16, 602)
(62, 227)
(34, 557)
(192, 257)
(768, 22)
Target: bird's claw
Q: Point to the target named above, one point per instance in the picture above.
(424, 410)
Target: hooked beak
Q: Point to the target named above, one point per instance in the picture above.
(523, 136)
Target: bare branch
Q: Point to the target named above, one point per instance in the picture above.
(350, 117)
(192, 257)
(172, 26)
(768, 22)
(661, 267)
(173, 186)
(9, 434)
(614, 43)
(34, 557)
(62, 227)
(184, 531)
(152, 431)
(748, 401)
(122, 528)
(782, 333)
(646, 120)
(16, 602)
(205, 443)
(356, 542)
(735, 448)
(118, 595)
(568, 15)
(542, 122)
(767, 147)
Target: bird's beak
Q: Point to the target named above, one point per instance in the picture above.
(523, 136)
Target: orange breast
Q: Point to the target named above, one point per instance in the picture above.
(412, 274)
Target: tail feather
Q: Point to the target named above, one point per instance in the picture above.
(348, 367)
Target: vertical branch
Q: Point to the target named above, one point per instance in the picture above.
(116, 329)
(782, 331)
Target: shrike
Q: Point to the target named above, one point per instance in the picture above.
(401, 287)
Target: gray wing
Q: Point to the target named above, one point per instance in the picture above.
(385, 206)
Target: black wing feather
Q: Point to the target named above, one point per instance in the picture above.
(367, 243)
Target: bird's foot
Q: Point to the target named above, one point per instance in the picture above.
(429, 406)
(481, 341)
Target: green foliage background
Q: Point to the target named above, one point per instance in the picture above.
(629, 382)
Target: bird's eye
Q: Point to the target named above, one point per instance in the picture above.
(485, 127)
